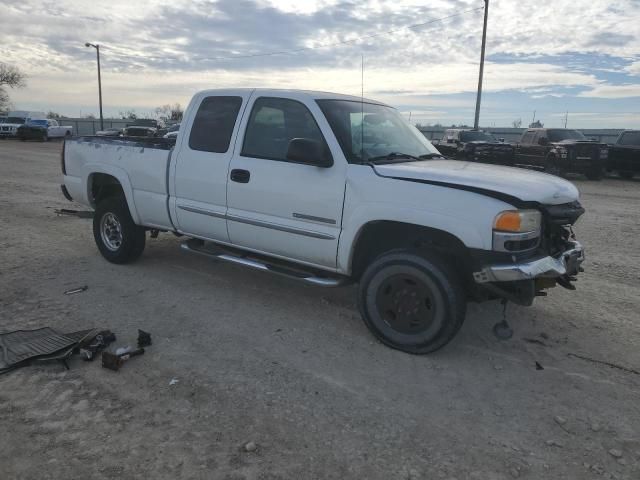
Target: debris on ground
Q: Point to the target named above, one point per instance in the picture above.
(73, 291)
(538, 366)
(173, 381)
(99, 343)
(560, 420)
(250, 447)
(144, 338)
(22, 347)
(602, 362)
(113, 361)
(76, 213)
(615, 453)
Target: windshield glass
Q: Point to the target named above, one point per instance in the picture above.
(15, 120)
(476, 136)
(630, 138)
(559, 135)
(39, 123)
(367, 130)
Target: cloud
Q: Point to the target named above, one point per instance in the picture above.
(633, 68)
(612, 91)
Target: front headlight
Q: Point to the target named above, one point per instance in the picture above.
(604, 153)
(518, 221)
(562, 152)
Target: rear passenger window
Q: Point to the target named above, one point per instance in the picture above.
(273, 123)
(213, 125)
(528, 137)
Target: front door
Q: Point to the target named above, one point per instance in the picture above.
(199, 200)
(276, 206)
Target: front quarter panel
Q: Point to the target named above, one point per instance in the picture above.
(368, 198)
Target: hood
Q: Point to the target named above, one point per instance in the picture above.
(14, 125)
(525, 185)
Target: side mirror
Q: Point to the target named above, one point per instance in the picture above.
(309, 151)
(501, 140)
(543, 141)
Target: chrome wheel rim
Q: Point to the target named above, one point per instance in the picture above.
(111, 231)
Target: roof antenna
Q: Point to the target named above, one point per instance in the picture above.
(362, 109)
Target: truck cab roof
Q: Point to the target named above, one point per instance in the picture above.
(288, 93)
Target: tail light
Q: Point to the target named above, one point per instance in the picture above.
(64, 168)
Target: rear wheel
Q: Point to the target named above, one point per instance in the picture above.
(628, 174)
(412, 302)
(44, 137)
(118, 238)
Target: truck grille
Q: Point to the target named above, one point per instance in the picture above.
(586, 151)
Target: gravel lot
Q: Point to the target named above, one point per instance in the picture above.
(291, 368)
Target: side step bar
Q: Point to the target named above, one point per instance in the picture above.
(227, 255)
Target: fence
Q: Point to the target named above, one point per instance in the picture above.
(89, 126)
(512, 135)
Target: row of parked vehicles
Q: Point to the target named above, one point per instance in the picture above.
(554, 150)
(142, 128)
(27, 125)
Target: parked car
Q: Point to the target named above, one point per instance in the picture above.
(172, 131)
(17, 118)
(3, 119)
(624, 154)
(139, 131)
(330, 189)
(109, 132)
(561, 150)
(43, 130)
(476, 146)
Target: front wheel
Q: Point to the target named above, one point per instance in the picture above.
(117, 237)
(412, 302)
(552, 167)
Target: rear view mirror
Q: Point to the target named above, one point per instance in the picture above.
(309, 151)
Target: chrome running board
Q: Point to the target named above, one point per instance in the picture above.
(295, 272)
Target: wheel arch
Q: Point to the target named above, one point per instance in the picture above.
(104, 182)
(376, 237)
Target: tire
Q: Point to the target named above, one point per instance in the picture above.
(626, 174)
(595, 173)
(117, 237)
(45, 137)
(411, 301)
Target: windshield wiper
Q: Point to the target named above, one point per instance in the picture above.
(429, 156)
(393, 156)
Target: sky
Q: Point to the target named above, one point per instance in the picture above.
(549, 56)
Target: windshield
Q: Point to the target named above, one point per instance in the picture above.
(15, 120)
(559, 135)
(367, 130)
(39, 123)
(629, 138)
(477, 136)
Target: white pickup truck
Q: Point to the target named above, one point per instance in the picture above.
(331, 189)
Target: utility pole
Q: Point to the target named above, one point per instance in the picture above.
(484, 43)
(97, 47)
(566, 117)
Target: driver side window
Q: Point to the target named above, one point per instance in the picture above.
(273, 123)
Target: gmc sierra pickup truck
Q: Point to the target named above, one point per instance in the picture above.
(330, 189)
(561, 150)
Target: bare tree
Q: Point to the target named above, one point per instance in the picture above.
(129, 115)
(536, 124)
(169, 112)
(11, 77)
(52, 114)
(517, 123)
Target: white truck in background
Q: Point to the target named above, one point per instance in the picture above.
(16, 119)
(330, 189)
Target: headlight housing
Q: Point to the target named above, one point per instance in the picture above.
(562, 152)
(604, 153)
(517, 230)
(518, 221)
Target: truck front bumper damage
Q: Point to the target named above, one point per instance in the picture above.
(565, 265)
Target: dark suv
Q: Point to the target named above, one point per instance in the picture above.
(624, 155)
(475, 145)
(561, 150)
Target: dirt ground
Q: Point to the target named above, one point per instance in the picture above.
(291, 368)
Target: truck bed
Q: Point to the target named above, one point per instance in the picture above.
(140, 165)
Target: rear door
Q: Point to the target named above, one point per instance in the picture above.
(203, 152)
(291, 210)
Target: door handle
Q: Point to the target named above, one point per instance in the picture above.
(240, 176)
